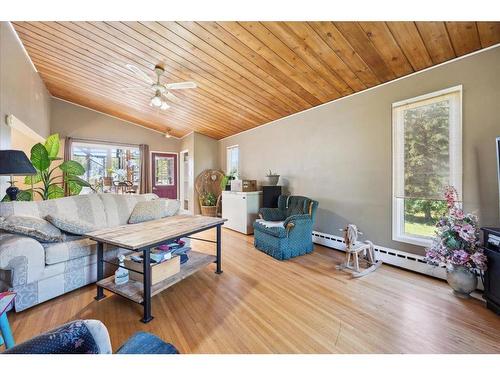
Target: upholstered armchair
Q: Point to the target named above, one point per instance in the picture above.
(286, 232)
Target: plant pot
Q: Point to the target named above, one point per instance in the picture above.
(273, 180)
(209, 211)
(462, 280)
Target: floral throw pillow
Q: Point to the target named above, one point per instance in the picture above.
(32, 226)
(71, 338)
(146, 211)
(153, 210)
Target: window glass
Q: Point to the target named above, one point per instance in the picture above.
(107, 164)
(165, 170)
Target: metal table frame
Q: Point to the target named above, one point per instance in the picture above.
(147, 317)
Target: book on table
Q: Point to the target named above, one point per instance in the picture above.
(165, 262)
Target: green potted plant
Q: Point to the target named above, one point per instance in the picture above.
(225, 183)
(208, 204)
(54, 181)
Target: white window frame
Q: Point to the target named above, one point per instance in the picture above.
(455, 137)
(229, 150)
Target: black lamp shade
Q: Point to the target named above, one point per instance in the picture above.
(15, 163)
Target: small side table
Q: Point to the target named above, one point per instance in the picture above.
(6, 298)
(270, 196)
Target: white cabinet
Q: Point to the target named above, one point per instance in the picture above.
(241, 209)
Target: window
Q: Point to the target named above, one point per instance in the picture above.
(165, 169)
(119, 163)
(233, 159)
(427, 156)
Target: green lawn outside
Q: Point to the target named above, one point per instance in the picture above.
(420, 229)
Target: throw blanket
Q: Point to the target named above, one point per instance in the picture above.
(270, 224)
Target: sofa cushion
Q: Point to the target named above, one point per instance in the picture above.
(153, 210)
(87, 207)
(64, 251)
(297, 205)
(31, 226)
(70, 225)
(146, 343)
(172, 207)
(119, 207)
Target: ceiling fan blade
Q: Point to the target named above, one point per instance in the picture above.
(181, 85)
(171, 97)
(138, 72)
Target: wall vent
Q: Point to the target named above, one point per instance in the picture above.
(394, 257)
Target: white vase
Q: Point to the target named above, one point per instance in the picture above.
(462, 280)
(273, 180)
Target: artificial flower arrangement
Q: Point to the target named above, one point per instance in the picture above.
(457, 238)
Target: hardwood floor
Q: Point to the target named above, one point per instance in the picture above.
(261, 305)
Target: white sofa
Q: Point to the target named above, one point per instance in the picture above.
(41, 271)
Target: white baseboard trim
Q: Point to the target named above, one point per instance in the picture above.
(394, 257)
(390, 256)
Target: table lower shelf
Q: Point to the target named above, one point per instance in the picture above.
(133, 290)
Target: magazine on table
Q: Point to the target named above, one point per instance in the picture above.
(164, 252)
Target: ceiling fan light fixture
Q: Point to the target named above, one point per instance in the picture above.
(156, 101)
(161, 90)
(167, 134)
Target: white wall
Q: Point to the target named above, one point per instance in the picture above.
(22, 91)
(71, 120)
(203, 152)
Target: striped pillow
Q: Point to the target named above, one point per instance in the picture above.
(70, 225)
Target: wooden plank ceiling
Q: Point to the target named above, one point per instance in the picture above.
(248, 73)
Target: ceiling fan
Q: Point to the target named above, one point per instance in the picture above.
(161, 91)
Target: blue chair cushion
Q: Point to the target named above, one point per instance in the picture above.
(71, 338)
(146, 343)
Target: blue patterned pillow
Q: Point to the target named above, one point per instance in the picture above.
(71, 338)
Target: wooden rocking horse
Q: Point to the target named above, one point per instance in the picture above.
(353, 249)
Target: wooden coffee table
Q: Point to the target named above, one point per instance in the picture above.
(145, 236)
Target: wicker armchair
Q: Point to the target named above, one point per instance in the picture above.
(286, 232)
(209, 181)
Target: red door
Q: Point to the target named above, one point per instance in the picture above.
(164, 174)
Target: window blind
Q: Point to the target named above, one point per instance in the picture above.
(427, 147)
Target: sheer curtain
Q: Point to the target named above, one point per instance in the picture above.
(68, 143)
(145, 180)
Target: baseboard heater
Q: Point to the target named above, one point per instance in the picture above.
(393, 257)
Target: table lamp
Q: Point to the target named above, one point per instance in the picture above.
(14, 163)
